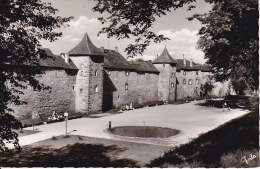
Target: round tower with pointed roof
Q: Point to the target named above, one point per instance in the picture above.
(89, 83)
(167, 78)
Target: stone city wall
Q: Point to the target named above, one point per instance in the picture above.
(60, 97)
(120, 88)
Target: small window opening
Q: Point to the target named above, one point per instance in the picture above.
(172, 85)
(96, 88)
(184, 81)
(190, 81)
(80, 90)
(126, 86)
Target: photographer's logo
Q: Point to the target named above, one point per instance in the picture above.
(246, 160)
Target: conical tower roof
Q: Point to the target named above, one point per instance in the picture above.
(85, 47)
(165, 57)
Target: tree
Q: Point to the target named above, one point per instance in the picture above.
(135, 18)
(207, 88)
(229, 39)
(22, 24)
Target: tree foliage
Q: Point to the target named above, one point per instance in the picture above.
(229, 39)
(207, 88)
(135, 18)
(22, 24)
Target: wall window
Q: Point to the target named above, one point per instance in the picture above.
(126, 86)
(163, 65)
(81, 73)
(108, 87)
(80, 90)
(190, 81)
(184, 72)
(96, 88)
(172, 85)
(197, 72)
(73, 87)
(184, 81)
(173, 75)
(197, 81)
(96, 73)
(127, 73)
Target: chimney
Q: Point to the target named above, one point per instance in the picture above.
(67, 58)
(184, 61)
(191, 62)
(116, 49)
(102, 49)
(157, 55)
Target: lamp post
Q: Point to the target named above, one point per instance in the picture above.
(66, 116)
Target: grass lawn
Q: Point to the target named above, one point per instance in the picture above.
(80, 151)
(233, 144)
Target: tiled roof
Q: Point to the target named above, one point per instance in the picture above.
(85, 47)
(55, 61)
(145, 66)
(165, 57)
(113, 59)
(180, 65)
(206, 68)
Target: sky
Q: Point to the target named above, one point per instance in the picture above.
(174, 25)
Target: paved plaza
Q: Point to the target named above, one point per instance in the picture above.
(189, 118)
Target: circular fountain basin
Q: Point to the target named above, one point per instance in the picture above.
(144, 131)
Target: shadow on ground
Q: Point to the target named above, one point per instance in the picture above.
(76, 155)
